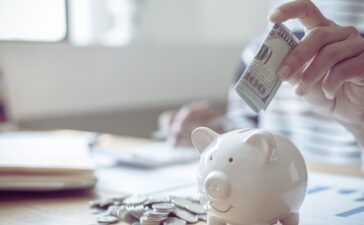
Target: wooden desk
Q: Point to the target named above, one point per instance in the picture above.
(71, 208)
(58, 208)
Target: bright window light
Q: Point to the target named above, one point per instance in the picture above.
(101, 22)
(32, 20)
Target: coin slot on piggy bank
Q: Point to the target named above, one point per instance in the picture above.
(249, 176)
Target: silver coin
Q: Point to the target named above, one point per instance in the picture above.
(181, 202)
(104, 203)
(95, 210)
(129, 219)
(120, 198)
(121, 212)
(137, 211)
(112, 210)
(163, 206)
(174, 221)
(143, 219)
(107, 219)
(135, 200)
(185, 215)
(159, 199)
(202, 218)
(195, 208)
(154, 214)
(150, 220)
(94, 203)
(194, 200)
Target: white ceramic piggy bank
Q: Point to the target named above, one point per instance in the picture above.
(249, 177)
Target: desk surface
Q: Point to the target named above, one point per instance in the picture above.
(71, 208)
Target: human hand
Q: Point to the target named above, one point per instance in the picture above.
(180, 123)
(327, 66)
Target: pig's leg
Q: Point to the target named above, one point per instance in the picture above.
(292, 219)
(212, 220)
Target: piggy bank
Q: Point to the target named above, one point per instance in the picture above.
(249, 177)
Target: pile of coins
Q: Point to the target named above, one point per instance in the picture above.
(147, 210)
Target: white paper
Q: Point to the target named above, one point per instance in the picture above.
(124, 179)
(45, 161)
(150, 155)
(333, 200)
(45, 150)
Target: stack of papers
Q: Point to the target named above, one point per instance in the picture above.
(151, 155)
(45, 161)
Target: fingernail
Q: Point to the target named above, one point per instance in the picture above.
(329, 95)
(276, 15)
(283, 72)
(300, 90)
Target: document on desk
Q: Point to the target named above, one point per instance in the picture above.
(150, 155)
(125, 179)
(330, 199)
(333, 200)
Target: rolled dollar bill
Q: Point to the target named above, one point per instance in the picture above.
(259, 82)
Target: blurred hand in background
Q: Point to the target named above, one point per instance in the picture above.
(181, 122)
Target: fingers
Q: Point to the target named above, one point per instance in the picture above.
(181, 138)
(182, 135)
(294, 79)
(308, 47)
(304, 10)
(194, 112)
(348, 70)
(180, 126)
(165, 119)
(188, 118)
(325, 59)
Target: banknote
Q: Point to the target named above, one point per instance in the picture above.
(259, 83)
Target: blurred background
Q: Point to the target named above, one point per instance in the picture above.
(114, 65)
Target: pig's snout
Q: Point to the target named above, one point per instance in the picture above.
(217, 185)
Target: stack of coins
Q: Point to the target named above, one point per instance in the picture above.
(164, 207)
(146, 210)
(174, 221)
(153, 217)
(136, 211)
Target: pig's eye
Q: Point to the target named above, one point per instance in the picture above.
(231, 160)
(210, 158)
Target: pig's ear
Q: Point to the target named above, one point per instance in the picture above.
(265, 142)
(202, 137)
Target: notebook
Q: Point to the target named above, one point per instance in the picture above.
(38, 161)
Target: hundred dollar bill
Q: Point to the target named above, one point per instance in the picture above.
(259, 83)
